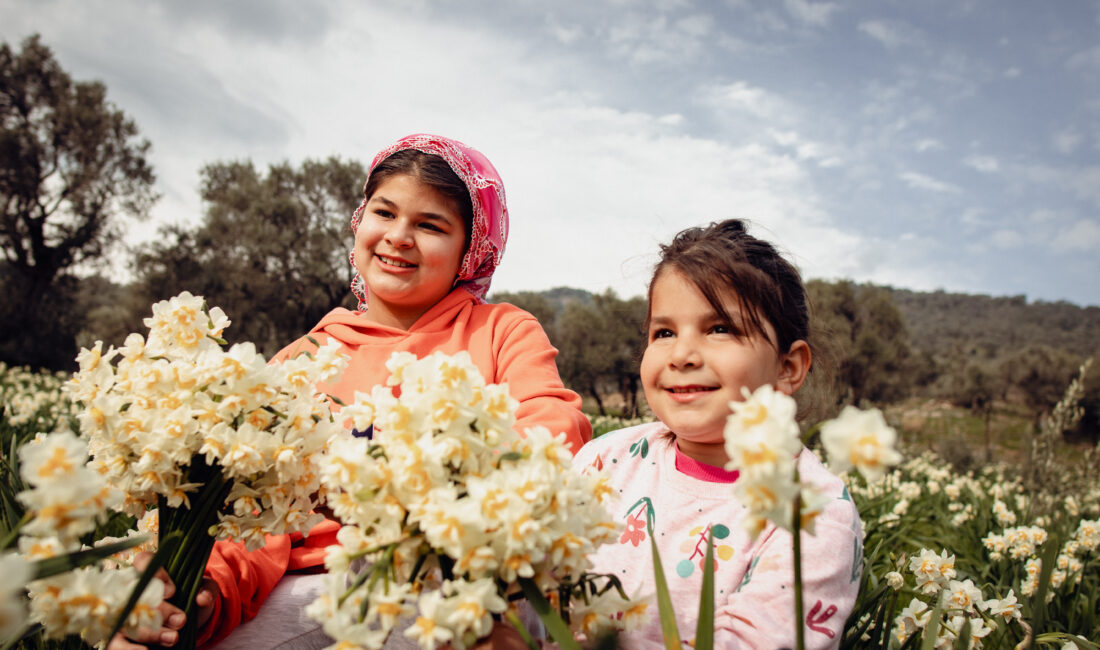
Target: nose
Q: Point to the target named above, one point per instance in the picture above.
(685, 352)
(399, 234)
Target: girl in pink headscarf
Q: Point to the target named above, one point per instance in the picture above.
(429, 234)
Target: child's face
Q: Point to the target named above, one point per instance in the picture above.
(408, 248)
(694, 366)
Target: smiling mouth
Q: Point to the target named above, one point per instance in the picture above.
(393, 261)
(682, 390)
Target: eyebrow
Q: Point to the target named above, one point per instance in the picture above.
(428, 215)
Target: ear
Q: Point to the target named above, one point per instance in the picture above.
(793, 368)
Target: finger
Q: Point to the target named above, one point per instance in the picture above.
(119, 642)
(173, 616)
(144, 635)
(169, 586)
(141, 560)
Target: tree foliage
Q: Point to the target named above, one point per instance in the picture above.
(272, 249)
(869, 337)
(599, 340)
(71, 165)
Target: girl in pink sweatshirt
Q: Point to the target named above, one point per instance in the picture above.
(726, 312)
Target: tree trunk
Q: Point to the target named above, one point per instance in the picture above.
(596, 396)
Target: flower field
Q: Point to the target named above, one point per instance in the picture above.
(995, 558)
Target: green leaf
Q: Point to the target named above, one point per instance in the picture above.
(704, 630)
(521, 629)
(167, 547)
(664, 601)
(64, 563)
(559, 631)
(932, 630)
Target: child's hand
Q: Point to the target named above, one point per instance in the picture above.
(172, 616)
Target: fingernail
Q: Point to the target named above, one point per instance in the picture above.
(168, 638)
(176, 620)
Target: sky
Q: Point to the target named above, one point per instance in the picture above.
(941, 144)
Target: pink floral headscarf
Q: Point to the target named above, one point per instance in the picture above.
(488, 232)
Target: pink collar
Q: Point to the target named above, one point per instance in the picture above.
(687, 465)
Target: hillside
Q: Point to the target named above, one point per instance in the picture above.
(941, 323)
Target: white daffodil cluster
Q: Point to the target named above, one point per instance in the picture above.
(88, 601)
(159, 409)
(762, 440)
(447, 509)
(65, 497)
(65, 500)
(1023, 544)
(31, 399)
(962, 600)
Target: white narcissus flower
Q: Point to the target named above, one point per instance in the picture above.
(860, 439)
(430, 629)
(965, 595)
(931, 570)
(895, 580)
(914, 616)
(1007, 607)
(472, 605)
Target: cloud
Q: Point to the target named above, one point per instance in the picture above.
(1066, 141)
(984, 164)
(278, 21)
(646, 39)
(1012, 73)
(1041, 216)
(1083, 235)
(919, 181)
(811, 13)
(890, 34)
(1006, 239)
(803, 149)
(928, 144)
(742, 97)
(1087, 59)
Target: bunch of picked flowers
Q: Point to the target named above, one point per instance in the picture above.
(450, 515)
(222, 444)
(70, 590)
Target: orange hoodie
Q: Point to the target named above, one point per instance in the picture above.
(506, 343)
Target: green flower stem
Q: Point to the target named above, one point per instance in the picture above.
(187, 563)
(521, 629)
(799, 614)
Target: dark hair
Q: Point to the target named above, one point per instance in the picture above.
(431, 170)
(723, 260)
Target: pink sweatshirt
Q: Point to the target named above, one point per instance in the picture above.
(754, 579)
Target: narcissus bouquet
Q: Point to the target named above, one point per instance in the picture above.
(451, 516)
(69, 592)
(222, 444)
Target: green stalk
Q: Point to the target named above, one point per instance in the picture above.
(799, 615)
(669, 630)
(521, 629)
(704, 630)
(558, 629)
(187, 563)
